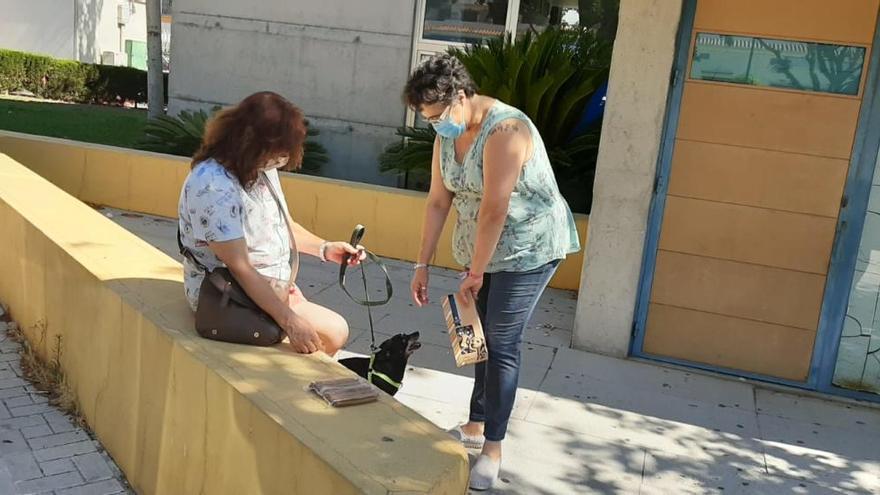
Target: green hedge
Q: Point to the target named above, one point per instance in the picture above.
(67, 80)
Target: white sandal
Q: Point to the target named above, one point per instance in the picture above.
(484, 473)
(469, 441)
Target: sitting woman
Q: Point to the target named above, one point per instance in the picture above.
(233, 214)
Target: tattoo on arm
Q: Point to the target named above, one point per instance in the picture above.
(504, 128)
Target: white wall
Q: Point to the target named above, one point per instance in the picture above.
(68, 29)
(343, 62)
(38, 26)
(136, 29)
(99, 29)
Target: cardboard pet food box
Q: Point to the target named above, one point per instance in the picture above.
(465, 330)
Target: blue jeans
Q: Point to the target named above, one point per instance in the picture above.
(505, 304)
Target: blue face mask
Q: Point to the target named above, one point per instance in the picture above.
(448, 127)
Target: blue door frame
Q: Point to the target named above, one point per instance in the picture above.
(846, 244)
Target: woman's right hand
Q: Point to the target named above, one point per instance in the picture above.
(303, 336)
(419, 286)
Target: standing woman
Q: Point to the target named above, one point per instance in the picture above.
(229, 217)
(513, 230)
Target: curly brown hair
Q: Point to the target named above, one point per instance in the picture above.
(437, 80)
(264, 126)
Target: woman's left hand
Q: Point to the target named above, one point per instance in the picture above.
(470, 286)
(338, 251)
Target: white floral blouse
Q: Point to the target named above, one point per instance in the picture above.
(215, 207)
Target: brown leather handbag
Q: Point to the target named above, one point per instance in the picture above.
(225, 312)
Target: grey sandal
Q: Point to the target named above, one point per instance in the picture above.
(469, 441)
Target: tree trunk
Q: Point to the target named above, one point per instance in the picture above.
(600, 14)
(610, 9)
(155, 89)
(587, 11)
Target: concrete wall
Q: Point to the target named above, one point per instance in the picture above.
(150, 183)
(343, 62)
(639, 84)
(38, 26)
(178, 413)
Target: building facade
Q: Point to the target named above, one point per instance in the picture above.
(734, 225)
(110, 32)
(345, 63)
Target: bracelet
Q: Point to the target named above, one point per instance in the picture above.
(419, 265)
(322, 251)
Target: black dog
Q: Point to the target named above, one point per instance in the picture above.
(389, 364)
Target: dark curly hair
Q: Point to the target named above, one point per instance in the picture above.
(263, 127)
(437, 80)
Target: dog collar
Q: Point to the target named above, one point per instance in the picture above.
(382, 376)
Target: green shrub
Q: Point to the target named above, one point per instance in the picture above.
(43, 76)
(12, 70)
(122, 84)
(67, 80)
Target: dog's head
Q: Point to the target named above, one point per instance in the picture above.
(402, 345)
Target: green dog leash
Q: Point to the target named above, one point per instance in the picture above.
(356, 238)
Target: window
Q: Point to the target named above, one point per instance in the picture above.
(536, 15)
(464, 21)
(797, 65)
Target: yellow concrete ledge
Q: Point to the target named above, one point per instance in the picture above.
(178, 413)
(150, 183)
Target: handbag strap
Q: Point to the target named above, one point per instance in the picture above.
(294, 254)
(185, 251)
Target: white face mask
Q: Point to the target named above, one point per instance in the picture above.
(280, 162)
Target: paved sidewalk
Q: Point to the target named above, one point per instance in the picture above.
(585, 423)
(41, 451)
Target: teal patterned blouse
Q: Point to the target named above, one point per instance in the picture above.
(539, 227)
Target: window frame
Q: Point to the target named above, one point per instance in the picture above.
(862, 82)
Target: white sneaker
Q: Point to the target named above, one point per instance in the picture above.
(484, 473)
(469, 441)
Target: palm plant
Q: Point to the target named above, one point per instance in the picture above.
(314, 153)
(550, 76)
(411, 155)
(182, 135)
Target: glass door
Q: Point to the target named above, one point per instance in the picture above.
(858, 356)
